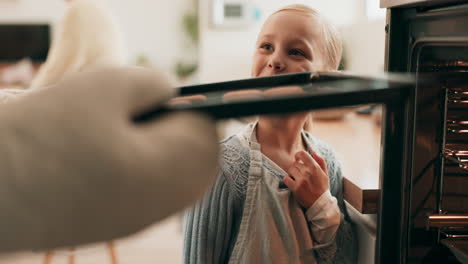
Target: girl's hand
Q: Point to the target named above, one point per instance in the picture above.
(307, 178)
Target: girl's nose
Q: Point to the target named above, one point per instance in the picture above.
(277, 64)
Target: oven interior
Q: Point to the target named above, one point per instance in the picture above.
(439, 204)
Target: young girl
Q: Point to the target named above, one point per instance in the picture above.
(278, 198)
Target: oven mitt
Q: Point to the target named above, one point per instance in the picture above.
(75, 169)
(7, 94)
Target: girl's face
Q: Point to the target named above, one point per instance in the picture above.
(287, 43)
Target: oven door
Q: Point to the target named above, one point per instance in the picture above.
(434, 40)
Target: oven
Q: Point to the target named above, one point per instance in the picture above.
(431, 38)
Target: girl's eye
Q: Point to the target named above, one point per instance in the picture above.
(266, 47)
(296, 52)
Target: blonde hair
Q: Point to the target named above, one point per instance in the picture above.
(87, 37)
(332, 44)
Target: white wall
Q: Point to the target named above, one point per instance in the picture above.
(30, 11)
(150, 27)
(364, 43)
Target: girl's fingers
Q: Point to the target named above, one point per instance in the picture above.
(306, 158)
(312, 161)
(301, 167)
(289, 182)
(294, 172)
(321, 162)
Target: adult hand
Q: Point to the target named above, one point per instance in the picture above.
(75, 169)
(307, 178)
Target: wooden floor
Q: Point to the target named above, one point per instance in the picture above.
(159, 244)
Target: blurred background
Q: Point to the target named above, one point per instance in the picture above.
(191, 41)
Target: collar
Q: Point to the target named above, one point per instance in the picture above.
(249, 137)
